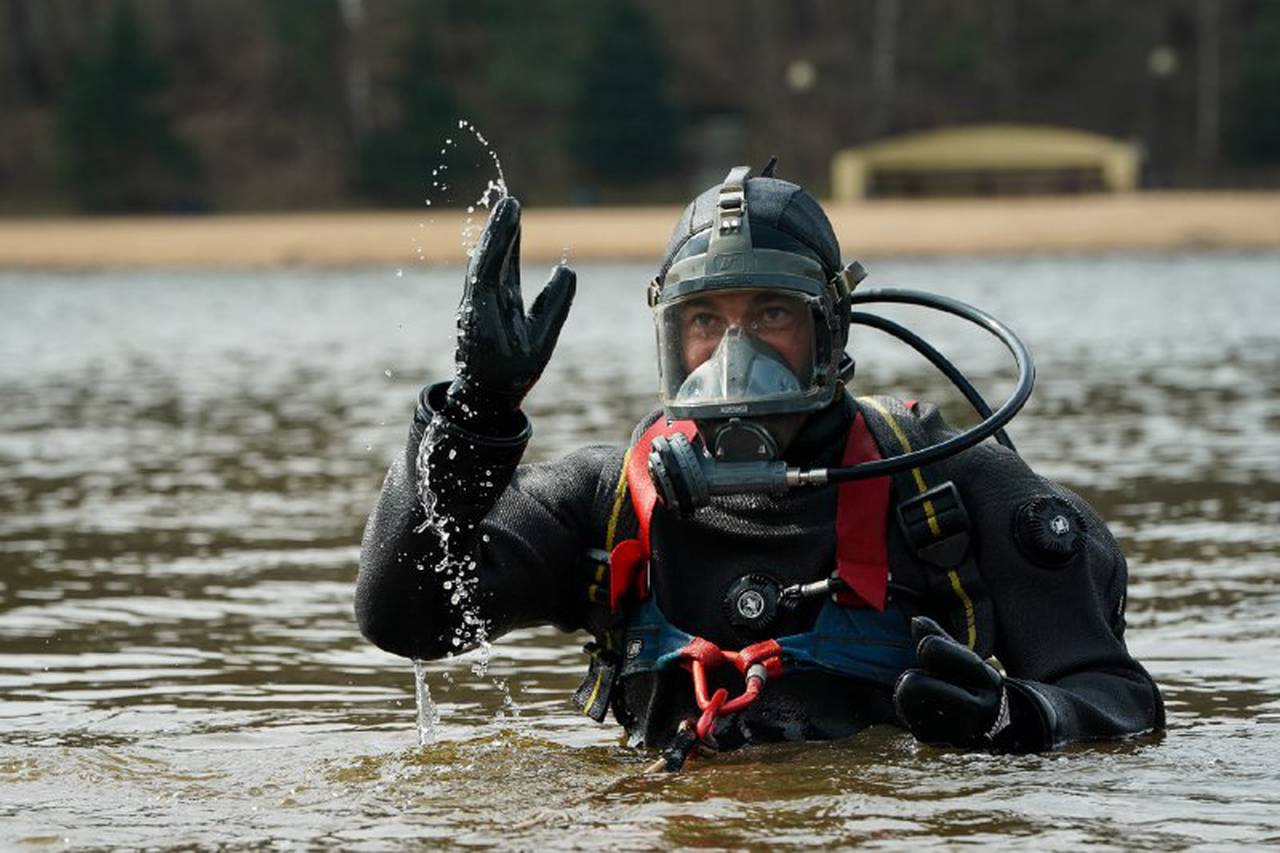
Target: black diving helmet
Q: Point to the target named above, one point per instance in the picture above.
(751, 311)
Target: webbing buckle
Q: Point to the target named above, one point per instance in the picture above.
(593, 694)
(936, 525)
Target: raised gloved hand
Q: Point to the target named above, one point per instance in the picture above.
(501, 350)
(953, 697)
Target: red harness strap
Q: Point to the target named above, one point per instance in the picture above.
(629, 557)
(862, 513)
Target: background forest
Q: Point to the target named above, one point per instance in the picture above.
(191, 105)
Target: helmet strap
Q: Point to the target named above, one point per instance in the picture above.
(729, 249)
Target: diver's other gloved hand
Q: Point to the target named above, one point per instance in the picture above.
(953, 697)
(501, 350)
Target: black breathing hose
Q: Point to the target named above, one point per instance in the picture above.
(993, 422)
(938, 360)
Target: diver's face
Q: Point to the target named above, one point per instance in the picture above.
(778, 320)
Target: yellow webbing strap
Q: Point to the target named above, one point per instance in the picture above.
(611, 533)
(619, 492)
(971, 621)
(595, 691)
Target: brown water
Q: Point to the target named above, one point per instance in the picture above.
(186, 461)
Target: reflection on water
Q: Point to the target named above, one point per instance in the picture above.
(186, 461)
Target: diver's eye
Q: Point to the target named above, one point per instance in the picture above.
(703, 321)
(776, 316)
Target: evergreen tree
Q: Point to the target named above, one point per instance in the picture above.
(1257, 123)
(305, 71)
(622, 127)
(120, 152)
(395, 161)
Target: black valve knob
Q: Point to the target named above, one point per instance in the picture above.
(751, 603)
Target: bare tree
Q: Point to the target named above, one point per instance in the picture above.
(884, 64)
(1208, 65)
(35, 83)
(358, 86)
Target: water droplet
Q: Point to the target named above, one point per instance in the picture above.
(387, 373)
(428, 713)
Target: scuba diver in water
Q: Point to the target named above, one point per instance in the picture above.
(738, 590)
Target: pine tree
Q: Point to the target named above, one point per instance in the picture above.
(120, 152)
(1257, 125)
(395, 161)
(623, 128)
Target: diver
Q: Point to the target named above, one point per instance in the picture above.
(966, 598)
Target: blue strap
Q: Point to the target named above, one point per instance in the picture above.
(855, 642)
(652, 642)
(852, 642)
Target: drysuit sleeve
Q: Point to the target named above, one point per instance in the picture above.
(1059, 616)
(501, 548)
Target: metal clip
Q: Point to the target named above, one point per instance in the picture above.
(654, 291)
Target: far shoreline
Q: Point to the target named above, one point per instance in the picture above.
(1085, 224)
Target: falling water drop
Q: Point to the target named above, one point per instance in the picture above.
(428, 714)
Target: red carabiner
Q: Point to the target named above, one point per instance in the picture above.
(757, 663)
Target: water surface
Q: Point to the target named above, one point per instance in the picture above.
(187, 459)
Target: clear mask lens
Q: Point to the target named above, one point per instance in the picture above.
(734, 346)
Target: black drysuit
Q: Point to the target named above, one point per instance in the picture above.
(515, 547)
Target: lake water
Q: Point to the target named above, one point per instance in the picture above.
(187, 460)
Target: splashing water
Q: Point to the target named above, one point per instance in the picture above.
(428, 713)
(494, 191)
(432, 522)
(484, 654)
(463, 124)
(458, 577)
(438, 194)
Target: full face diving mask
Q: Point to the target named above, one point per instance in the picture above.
(747, 333)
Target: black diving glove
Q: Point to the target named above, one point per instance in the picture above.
(501, 351)
(953, 697)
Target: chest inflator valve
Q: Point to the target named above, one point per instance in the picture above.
(751, 603)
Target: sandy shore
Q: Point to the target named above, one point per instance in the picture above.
(1099, 223)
